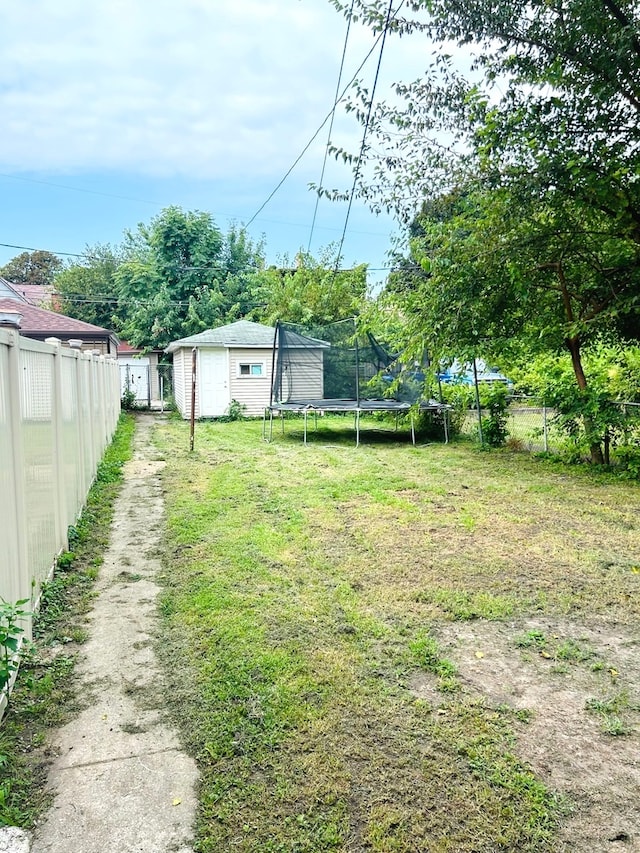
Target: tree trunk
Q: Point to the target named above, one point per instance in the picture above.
(573, 345)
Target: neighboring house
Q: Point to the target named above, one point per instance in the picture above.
(40, 324)
(139, 372)
(34, 294)
(235, 362)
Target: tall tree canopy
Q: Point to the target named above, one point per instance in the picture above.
(530, 167)
(37, 267)
(86, 289)
(311, 291)
(181, 275)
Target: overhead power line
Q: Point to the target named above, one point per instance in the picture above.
(333, 115)
(366, 129)
(337, 100)
(31, 249)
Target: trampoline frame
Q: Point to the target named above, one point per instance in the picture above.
(358, 407)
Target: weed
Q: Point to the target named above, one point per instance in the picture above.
(11, 634)
(532, 639)
(463, 605)
(613, 712)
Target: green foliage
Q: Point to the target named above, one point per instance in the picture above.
(460, 398)
(37, 267)
(86, 288)
(235, 412)
(494, 398)
(181, 275)
(529, 232)
(597, 412)
(128, 400)
(311, 292)
(11, 634)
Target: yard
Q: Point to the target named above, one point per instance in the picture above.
(393, 648)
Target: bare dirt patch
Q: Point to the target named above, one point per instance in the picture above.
(564, 742)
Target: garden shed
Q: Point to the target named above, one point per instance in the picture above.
(235, 362)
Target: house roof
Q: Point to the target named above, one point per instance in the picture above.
(40, 322)
(8, 291)
(125, 349)
(242, 333)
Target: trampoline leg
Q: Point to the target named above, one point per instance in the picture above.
(306, 414)
(446, 427)
(271, 426)
(413, 431)
(282, 419)
(358, 428)
(264, 425)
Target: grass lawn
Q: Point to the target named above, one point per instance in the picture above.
(306, 591)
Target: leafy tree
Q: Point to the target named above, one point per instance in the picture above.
(311, 291)
(181, 275)
(86, 290)
(537, 154)
(37, 267)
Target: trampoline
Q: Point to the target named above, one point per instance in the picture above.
(334, 369)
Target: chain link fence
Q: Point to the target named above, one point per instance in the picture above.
(531, 426)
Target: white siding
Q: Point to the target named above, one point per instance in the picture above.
(182, 383)
(253, 392)
(307, 375)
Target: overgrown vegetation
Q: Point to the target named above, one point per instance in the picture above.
(304, 592)
(43, 695)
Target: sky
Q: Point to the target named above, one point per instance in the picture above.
(112, 110)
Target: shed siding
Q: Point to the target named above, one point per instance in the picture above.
(182, 383)
(308, 382)
(253, 392)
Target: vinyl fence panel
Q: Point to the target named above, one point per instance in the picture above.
(58, 411)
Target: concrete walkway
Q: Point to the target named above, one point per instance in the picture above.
(122, 783)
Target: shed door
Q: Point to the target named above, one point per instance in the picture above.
(213, 369)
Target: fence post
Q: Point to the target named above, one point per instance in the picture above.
(20, 583)
(58, 444)
(475, 385)
(545, 430)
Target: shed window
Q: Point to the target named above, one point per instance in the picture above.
(251, 369)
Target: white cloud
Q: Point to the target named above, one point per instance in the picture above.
(168, 87)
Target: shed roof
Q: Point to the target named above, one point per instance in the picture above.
(242, 333)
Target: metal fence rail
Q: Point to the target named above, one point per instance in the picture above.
(58, 410)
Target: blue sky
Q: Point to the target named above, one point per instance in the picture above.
(114, 109)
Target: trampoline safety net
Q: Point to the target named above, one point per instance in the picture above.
(333, 363)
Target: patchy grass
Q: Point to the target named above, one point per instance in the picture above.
(614, 712)
(43, 695)
(301, 587)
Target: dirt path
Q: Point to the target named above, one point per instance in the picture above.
(122, 783)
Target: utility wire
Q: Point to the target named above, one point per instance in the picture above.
(333, 115)
(326, 119)
(366, 130)
(31, 249)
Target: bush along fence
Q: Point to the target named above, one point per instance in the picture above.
(59, 408)
(526, 423)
